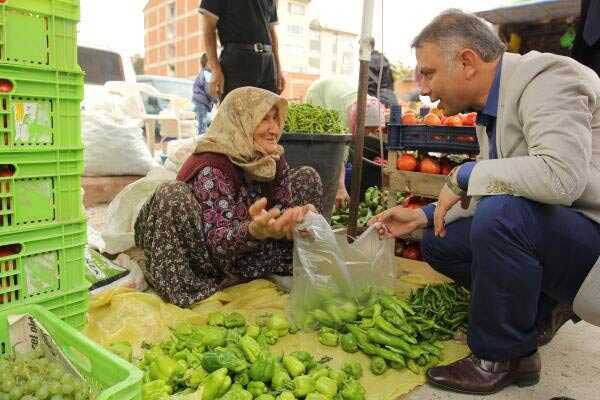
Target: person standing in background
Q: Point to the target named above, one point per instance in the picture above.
(250, 53)
(203, 101)
(586, 48)
(386, 89)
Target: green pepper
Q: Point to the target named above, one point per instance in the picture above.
(389, 304)
(223, 358)
(366, 323)
(286, 395)
(328, 337)
(227, 382)
(278, 322)
(264, 367)
(242, 378)
(294, 366)
(319, 371)
(348, 342)
(237, 394)
(214, 383)
(155, 390)
(366, 312)
(383, 338)
(362, 340)
(323, 318)
(316, 396)
(303, 385)
(253, 331)
(266, 396)
(387, 327)
(256, 388)
(348, 310)
(353, 390)
(233, 320)
(397, 365)
(216, 318)
(250, 348)
(212, 336)
(281, 379)
(164, 368)
(194, 377)
(326, 386)
(378, 365)
(353, 369)
(414, 367)
(272, 336)
(337, 375)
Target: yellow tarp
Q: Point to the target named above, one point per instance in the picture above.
(141, 317)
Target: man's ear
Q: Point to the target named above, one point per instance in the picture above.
(469, 61)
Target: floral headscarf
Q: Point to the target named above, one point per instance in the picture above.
(231, 133)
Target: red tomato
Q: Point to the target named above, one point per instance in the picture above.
(5, 85)
(453, 121)
(468, 119)
(465, 138)
(429, 166)
(412, 251)
(406, 162)
(409, 118)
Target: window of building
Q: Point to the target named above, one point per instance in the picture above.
(171, 70)
(315, 45)
(334, 48)
(296, 9)
(171, 10)
(170, 31)
(314, 62)
(295, 29)
(171, 50)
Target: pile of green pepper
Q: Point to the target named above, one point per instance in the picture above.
(395, 333)
(376, 201)
(446, 305)
(306, 118)
(230, 360)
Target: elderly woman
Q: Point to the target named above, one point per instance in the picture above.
(229, 216)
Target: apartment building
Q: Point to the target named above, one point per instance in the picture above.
(174, 42)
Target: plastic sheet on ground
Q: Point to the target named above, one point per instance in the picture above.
(123, 314)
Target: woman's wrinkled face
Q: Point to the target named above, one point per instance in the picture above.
(268, 132)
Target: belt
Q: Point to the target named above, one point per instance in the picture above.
(256, 47)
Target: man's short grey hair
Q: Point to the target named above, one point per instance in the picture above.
(454, 30)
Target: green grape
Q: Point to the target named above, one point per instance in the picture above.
(4, 396)
(43, 393)
(57, 397)
(54, 388)
(67, 388)
(8, 383)
(28, 397)
(15, 393)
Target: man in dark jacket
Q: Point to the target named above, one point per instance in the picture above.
(203, 101)
(379, 63)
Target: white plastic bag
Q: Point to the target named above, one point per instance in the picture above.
(113, 141)
(326, 267)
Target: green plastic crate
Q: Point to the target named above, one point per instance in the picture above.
(39, 33)
(38, 189)
(71, 307)
(117, 379)
(38, 266)
(39, 110)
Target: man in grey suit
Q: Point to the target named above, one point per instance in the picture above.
(520, 227)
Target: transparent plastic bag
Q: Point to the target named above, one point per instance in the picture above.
(329, 271)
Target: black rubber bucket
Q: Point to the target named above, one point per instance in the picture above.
(323, 152)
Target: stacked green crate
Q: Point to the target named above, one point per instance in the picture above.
(42, 221)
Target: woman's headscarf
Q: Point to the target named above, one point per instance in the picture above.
(231, 133)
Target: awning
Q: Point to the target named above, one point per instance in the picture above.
(532, 11)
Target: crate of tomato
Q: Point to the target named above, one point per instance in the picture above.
(434, 132)
(419, 174)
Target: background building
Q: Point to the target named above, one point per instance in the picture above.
(173, 44)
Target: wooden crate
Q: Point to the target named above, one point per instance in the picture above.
(416, 183)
